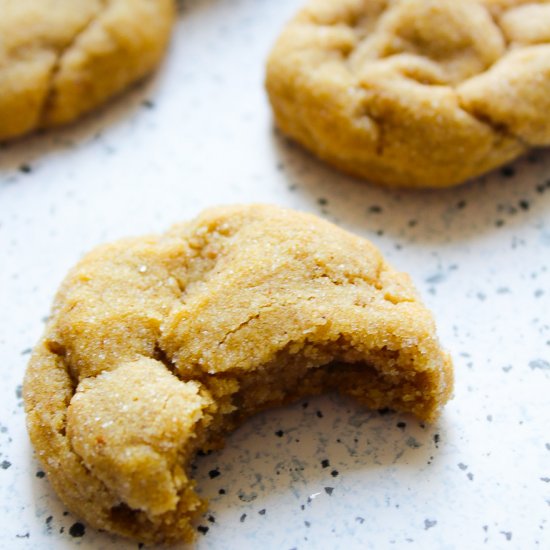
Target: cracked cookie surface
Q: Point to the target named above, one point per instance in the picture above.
(158, 346)
(415, 93)
(61, 58)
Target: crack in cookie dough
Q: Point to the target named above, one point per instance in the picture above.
(158, 346)
(62, 58)
(59, 55)
(417, 93)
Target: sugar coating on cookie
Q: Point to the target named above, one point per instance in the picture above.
(416, 93)
(159, 346)
(61, 58)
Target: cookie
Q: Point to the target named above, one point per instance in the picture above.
(159, 346)
(61, 58)
(414, 93)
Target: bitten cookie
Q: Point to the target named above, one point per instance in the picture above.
(415, 93)
(61, 58)
(158, 346)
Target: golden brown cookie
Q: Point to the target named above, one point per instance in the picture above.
(158, 346)
(62, 58)
(416, 93)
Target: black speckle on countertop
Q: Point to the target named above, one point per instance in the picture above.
(334, 473)
(507, 534)
(26, 351)
(325, 463)
(436, 278)
(5, 464)
(19, 391)
(77, 530)
(247, 497)
(203, 529)
(508, 171)
(541, 364)
(503, 290)
(25, 168)
(542, 187)
(319, 414)
(48, 523)
(401, 425)
(545, 479)
(262, 512)
(359, 519)
(221, 492)
(413, 443)
(242, 518)
(329, 490)
(214, 473)
(279, 433)
(462, 466)
(429, 523)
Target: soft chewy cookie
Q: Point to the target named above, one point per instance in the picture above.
(417, 93)
(158, 346)
(61, 58)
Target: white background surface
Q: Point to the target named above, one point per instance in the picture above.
(479, 255)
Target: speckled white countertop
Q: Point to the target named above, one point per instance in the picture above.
(322, 473)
